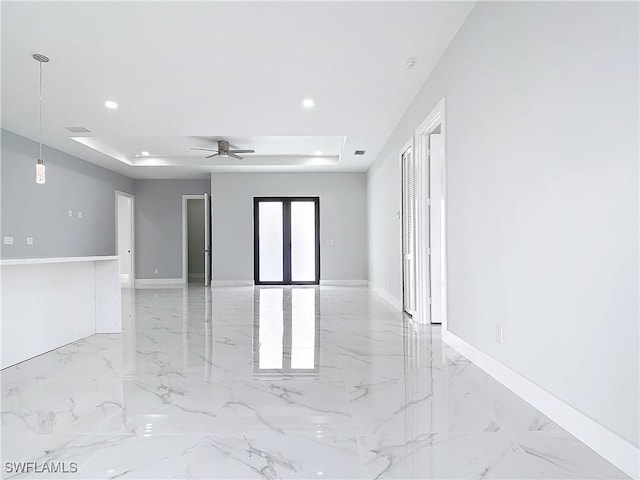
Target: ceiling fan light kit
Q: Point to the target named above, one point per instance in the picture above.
(224, 150)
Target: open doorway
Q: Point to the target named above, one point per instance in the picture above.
(196, 235)
(195, 240)
(430, 208)
(125, 239)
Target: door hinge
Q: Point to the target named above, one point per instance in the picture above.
(429, 300)
(429, 251)
(428, 201)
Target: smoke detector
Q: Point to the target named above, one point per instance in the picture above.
(409, 63)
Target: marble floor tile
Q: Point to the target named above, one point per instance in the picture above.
(276, 456)
(311, 382)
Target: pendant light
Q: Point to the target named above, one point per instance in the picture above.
(40, 168)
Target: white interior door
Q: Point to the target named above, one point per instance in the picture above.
(207, 240)
(124, 227)
(408, 231)
(436, 180)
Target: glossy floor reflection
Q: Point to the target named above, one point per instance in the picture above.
(276, 383)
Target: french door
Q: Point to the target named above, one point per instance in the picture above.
(286, 234)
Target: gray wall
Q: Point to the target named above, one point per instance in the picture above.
(195, 236)
(342, 219)
(41, 211)
(159, 225)
(542, 178)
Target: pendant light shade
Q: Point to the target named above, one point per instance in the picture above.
(40, 171)
(40, 167)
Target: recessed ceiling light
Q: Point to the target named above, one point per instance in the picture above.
(144, 154)
(111, 104)
(318, 152)
(308, 103)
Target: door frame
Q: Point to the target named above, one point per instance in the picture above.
(426, 225)
(286, 238)
(118, 193)
(407, 146)
(185, 233)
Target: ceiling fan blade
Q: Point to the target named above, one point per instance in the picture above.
(214, 155)
(231, 154)
(242, 151)
(205, 149)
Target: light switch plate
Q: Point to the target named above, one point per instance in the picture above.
(70, 213)
(8, 240)
(79, 214)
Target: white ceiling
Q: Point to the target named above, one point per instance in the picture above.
(187, 73)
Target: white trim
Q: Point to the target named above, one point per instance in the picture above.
(615, 449)
(344, 283)
(423, 275)
(232, 283)
(159, 281)
(132, 275)
(185, 235)
(392, 299)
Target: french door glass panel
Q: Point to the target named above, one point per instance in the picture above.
(303, 241)
(271, 241)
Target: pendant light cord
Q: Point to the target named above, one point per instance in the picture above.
(40, 135)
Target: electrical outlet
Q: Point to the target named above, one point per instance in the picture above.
(8, 240)
(155, 271)
(29, 240)
(71, 213)
(330, 243)
(499, 334)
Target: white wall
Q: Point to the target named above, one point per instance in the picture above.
(343, 219)
(195, 239)
(542, 178)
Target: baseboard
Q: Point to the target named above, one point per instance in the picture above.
(140, 282)
(232, 283)
(344, 283)
(392, 299)
(609, 445)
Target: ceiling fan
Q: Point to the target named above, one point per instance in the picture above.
(223, 150)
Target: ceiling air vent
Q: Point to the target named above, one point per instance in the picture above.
(359, 152)
(78, 129)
